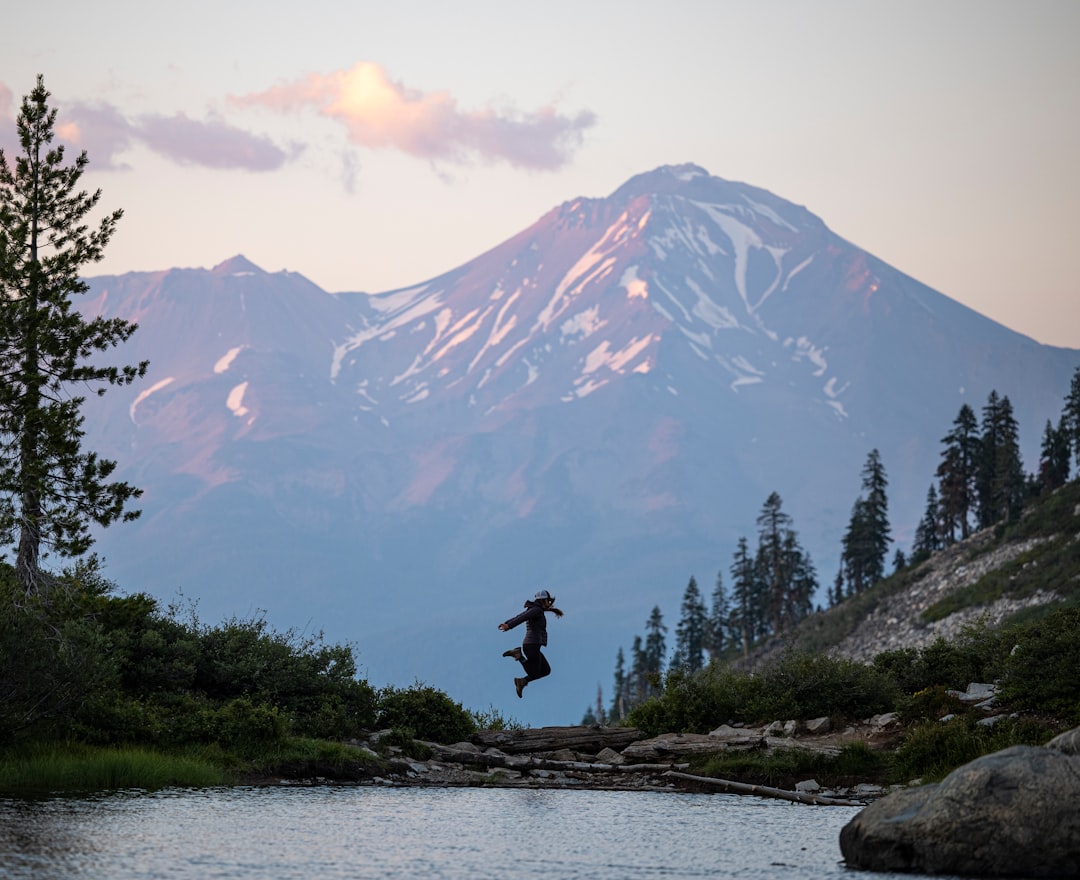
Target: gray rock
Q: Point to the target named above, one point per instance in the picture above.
(1011, 813)
(808, 785)
(976, 692)
(1067, 742)
(817, 726)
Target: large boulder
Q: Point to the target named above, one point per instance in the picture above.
(1012, 813)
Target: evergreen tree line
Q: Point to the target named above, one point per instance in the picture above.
(980, 482)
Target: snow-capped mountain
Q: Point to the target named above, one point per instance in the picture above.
(599, 406)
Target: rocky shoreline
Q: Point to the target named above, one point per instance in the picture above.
(604, 758)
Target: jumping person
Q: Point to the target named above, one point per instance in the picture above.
(529, 654)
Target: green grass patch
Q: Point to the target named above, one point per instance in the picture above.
(302, 756)
(784, 768)
(69, 769)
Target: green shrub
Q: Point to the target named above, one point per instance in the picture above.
(929, 704)
(802, 685)
(694, 702)
(53, 654)
(493, 719)
(977, 654)
(1042, 672)
(933, 749)
(430, 714)
(797, 686)
(248, 726)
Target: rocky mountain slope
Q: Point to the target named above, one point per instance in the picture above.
(995, 576)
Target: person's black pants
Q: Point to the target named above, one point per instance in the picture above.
(535, 663)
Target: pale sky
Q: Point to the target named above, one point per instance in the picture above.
(370, 146)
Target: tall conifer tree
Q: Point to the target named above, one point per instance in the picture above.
(957, 475)
(745, 592)
(692, 631)
(51, 489)
(719, 619)
(1071, 416)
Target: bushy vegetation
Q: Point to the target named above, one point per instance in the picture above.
(85, 673)
(797, 686)
(425, 713)
(1035, 664)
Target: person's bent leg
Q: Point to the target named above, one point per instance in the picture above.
(533, 661)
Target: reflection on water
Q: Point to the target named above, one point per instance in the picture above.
(371, 832)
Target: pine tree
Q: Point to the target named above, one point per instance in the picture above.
(784, 572)
(899, 561)
(1070, 417)
(879, 534)
(638, 685)
(856, 549)
(1054, 461)
(773, 524)
(620, 702)
(1001, 483)
(692, 631)
(802, 583)
(928, 534)
(51, 490)
(957, 474)
(719, 619)
(745, 595)
(655, 649)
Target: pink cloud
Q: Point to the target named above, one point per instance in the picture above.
(379, 113)
(9, 137)
(212, 144)
(105, 133)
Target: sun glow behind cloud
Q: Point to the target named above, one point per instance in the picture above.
(378, 113)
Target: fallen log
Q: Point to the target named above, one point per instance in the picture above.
(525, 762)
(582, 738)
(731, 787)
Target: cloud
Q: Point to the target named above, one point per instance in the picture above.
(380, 114)
(9, 136)
(106, 134)
(212, 144)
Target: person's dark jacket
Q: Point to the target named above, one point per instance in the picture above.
(535, 623)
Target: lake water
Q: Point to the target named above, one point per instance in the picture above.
(450, 833)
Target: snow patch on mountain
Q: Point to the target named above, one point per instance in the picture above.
(634, 286)
(768, 213)
(226, 359)
(584, 324)
(797, 270)
(157, 386)
(235, 400)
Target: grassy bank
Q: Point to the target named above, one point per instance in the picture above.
(75, 768)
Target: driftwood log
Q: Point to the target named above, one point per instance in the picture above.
(589, 739)
(525, 762)
(731, 787)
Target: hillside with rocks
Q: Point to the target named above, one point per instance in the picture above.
(994, 576)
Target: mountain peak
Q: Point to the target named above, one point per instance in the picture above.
(238, 265)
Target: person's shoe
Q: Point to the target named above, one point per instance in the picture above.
(513, 652)
(519, 685)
